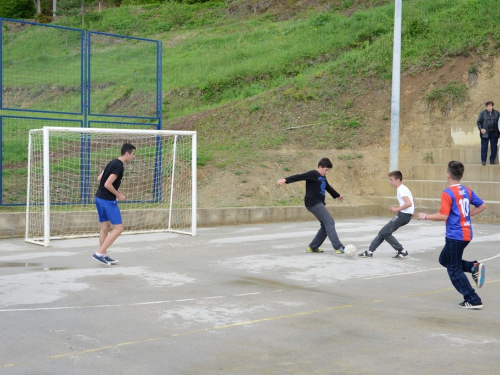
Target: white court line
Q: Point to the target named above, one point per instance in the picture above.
(484, 260)
(399, 274)
(123, 305)
(149, 303)
(205, 298)
(413, 272)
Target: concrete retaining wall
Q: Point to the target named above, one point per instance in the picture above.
(14, 224)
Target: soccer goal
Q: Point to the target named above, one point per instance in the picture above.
(63, 166)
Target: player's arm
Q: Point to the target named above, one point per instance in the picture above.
(476, 210)
(334, 193)
(295, 178)
(109, 185)
(433, 217)
(443, 213)
(100, 176)
(282, 181)
(404, 206)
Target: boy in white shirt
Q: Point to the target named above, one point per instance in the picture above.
(403, 217)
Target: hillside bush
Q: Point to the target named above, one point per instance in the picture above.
(17, 9)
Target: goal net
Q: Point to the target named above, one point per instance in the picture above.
(63, 166)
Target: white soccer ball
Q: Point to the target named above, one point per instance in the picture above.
(350, 251)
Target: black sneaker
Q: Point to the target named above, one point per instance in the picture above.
(468, 305)
(366, 254)
(478, 274)
(101, 259)
(111, 261)
(401, 254)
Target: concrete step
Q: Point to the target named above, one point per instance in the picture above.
(423, 204)
(473, 172)
(433, 188)
(430, 205)
(467, 155)
(14, 224)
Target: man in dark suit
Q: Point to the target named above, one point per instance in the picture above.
(487, 123)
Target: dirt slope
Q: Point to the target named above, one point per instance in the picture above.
(421, 129)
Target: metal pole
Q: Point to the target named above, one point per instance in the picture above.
(54, 8)
(396, 88)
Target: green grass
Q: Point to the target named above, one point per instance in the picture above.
(246, 75)
(215, 59)
(445, 97)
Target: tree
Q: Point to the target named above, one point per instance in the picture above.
(17, 9)
(68, 8)
(38, 6)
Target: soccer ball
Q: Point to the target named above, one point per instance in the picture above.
(350, 251)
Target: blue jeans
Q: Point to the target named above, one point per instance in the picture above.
(327, 227)
(386, 232)
(451, 258)
(492, 140)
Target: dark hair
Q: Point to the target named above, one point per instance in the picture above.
(325, 163)
(127, 147)
(397, 175)
(456, 170)
(488, 103)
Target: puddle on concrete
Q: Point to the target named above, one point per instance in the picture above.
(14, 264)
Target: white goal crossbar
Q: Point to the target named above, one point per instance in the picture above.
(63, 165)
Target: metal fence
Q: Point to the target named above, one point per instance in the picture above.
(59, 76)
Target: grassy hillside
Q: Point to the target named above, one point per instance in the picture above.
(253, 77)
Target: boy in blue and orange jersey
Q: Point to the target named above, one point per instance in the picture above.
(456, 211)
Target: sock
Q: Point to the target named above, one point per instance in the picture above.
(99, 255)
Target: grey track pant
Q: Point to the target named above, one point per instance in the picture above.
(386, 232)
(327, 227)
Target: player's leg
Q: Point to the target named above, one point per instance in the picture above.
(377, 241)
(386, 232)
(110, 238)
(454, 250)
(320, 236)
(106, 238)
(104, 231)
(317, 240)
(327, 228)
(477, 270)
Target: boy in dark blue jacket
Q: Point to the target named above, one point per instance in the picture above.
(314, 200)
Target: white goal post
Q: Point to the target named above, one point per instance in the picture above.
(63, 166)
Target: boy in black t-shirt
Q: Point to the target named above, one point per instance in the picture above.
(106, 204)
(314, 200)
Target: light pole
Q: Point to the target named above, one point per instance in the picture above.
(396, 88)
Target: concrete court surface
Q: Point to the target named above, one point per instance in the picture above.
(247, 300)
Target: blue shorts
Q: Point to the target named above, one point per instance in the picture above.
(108, 211)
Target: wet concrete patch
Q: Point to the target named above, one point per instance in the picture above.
(18, 264)
(25, 264)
